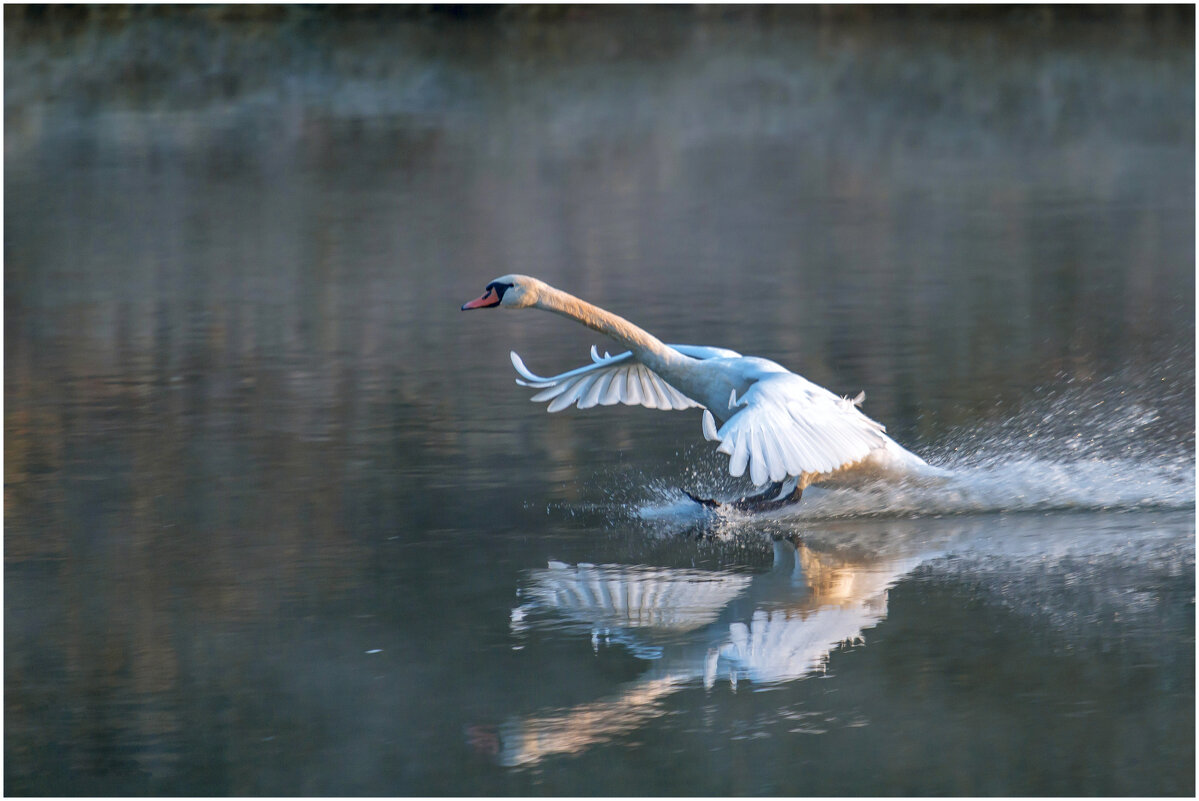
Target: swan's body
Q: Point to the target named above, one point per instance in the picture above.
(778, 425)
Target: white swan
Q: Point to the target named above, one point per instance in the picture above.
(779, 425)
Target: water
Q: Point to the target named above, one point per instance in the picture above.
(279, 522)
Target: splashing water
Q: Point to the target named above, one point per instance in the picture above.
(1093, 448)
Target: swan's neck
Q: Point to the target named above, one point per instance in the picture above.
(646, 348)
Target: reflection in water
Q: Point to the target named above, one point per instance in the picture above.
(530, 740)
(782, 627)
(624, 597)
(843, 598)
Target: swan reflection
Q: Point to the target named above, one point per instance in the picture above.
(695, 626)
(632, 596)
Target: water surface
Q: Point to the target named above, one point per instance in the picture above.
(279, 522)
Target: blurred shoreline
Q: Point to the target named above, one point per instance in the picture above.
(507, 12)
(566, 33)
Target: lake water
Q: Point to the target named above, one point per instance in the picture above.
(278, 521)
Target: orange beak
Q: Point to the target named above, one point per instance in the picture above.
(489, 298)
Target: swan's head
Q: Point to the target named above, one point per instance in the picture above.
(512, 291)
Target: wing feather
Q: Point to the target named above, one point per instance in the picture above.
(595, 391)
(552, 392)
(615, 392)
(601, 389)
(532, 380)
(649, 398)
(660, 387)
(678, 400)
(609, 380)
(739, 454)
(774, 457)
(577, 388)
(789, 426)
(757, 459)
(632, 387)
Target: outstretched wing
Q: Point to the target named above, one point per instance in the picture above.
(789, 426)
(610, 380)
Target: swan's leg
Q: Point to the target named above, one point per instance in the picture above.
(775, 497)
(770, 492)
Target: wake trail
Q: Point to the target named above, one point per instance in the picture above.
(1100, 447)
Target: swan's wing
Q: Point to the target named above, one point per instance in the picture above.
(790, 426)
(607, 381)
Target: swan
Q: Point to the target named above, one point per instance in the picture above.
(787, 431)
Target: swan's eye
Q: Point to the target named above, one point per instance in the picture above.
(499, 289)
